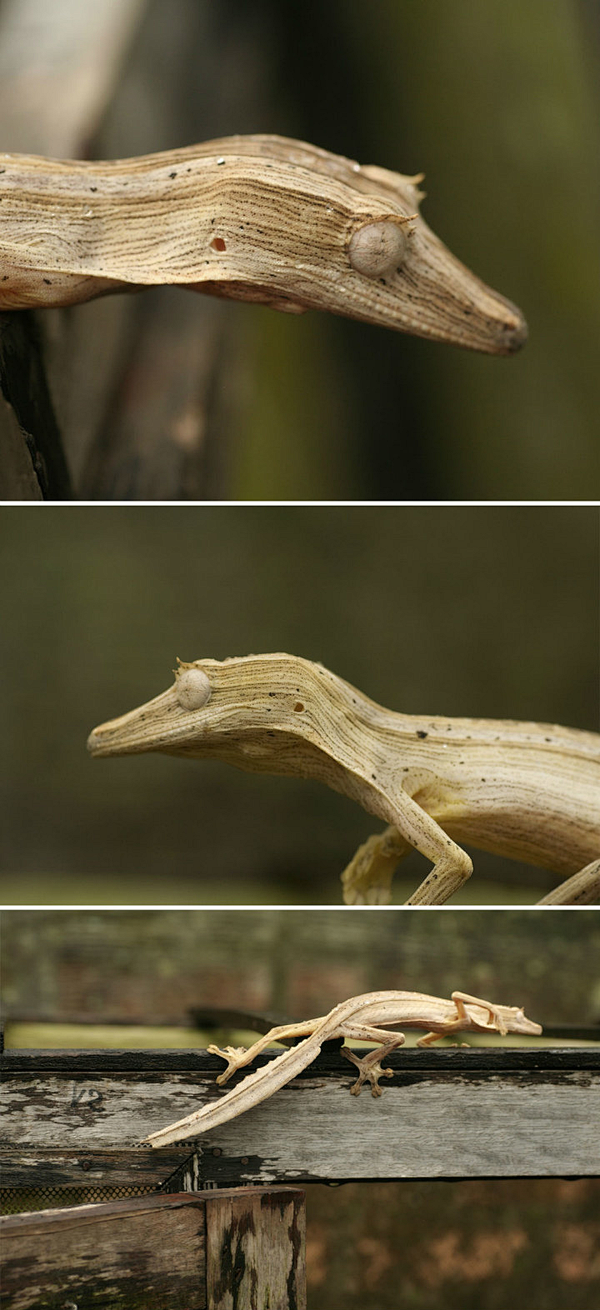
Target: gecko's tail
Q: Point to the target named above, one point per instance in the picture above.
(253, 1089)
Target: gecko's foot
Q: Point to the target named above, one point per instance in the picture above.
(235, 1057)
(368, 877)
(369, 1069)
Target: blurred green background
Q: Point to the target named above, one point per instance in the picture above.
(499, 106)
(477, 611)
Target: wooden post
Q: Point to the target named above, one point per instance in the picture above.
(34, 465)
(220, 1250)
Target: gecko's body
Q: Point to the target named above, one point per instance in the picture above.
(527, 791)
(370, 1018)
(258, 218)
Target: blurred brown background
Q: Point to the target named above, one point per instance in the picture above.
(476, 611)
(154, 966)
(474, 1244)
(172, 395)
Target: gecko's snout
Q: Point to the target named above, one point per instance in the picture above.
(513, 330)
(102, 742)
(139, 730)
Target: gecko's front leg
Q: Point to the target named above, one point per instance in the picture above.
(367, 879)
(497, 1022)
(416, 828)
(369, 1065)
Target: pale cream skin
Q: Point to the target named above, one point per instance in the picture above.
(362, 1018)
(259, 218)
(528, 791)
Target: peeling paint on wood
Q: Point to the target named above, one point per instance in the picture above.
(450, 1113)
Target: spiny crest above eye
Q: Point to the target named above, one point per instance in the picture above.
(378, 248)
(192, 687)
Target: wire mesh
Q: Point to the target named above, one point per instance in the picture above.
(22, 1200)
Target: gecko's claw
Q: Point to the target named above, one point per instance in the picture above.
(234, 1055)
(369, 1069)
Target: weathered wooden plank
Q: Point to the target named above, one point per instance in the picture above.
(142, 1252)
(255, 1246)
(448, 1113)
(176, 1251)
(64, 1167)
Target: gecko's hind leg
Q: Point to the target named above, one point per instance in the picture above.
(237, 1057)
(369, 1065)
(582, 889)
(367, 879)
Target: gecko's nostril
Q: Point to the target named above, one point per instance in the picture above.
(218, 243)
(298, 707)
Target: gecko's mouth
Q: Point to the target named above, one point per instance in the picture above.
(152, 727)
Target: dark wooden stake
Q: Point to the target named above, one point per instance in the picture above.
(25, 389)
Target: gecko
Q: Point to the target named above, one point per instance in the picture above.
(258, 218)
(527, 791)
(366, 1018)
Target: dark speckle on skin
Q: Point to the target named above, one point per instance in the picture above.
(422, 734)
(172, 174)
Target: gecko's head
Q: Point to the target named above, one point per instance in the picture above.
(350, 239)
(401, 275)
(254, 711)
(509, 1019)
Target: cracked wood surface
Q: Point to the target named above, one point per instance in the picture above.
(451, 1113)
(528, 791)
(259, 218)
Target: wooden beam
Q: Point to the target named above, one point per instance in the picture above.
(483, 1113)
(221, 1249)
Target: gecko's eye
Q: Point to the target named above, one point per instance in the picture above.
(378, 248)
(192, 689)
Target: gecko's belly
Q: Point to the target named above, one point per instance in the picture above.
(539, 826)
